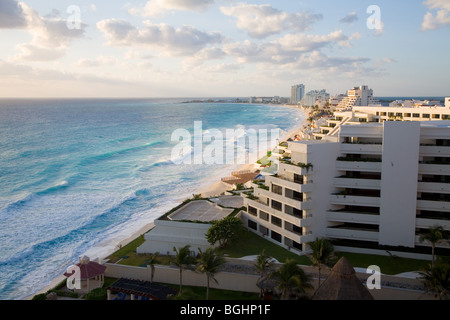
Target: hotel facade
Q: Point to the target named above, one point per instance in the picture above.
(371, 186)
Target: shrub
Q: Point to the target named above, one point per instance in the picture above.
(96, 294)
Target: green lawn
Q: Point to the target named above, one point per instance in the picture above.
(250, 244)
(126, 250)
(388, 265)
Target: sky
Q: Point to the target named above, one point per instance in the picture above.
(218, 48)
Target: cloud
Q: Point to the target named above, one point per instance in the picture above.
(261, 21)
(10, 71)
(32, 52)
(325, 64)
(442, 17)
(221, 68)
(11, 15)
(97, 62)
(202, 56)
(154, 8)
(177, 42)
(283, 50)
(51, 36)
(350, 18)
(438, 4)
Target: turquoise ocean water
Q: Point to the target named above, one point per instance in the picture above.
(78, 176)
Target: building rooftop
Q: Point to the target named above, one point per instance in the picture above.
(140, 288)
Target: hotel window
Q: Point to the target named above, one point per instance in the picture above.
(445, 116)
(277, 205)
(436, 116)
(252, 225)
(408, 115)
(252, 211)
(416, 115)
(275, 236)
(263, 230)
(383, 114)
(298, 178)
(277, 189)
(276, 221)
(264, 216)
(426, 115)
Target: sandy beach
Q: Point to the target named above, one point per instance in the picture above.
(218, 187)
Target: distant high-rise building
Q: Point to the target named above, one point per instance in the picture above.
(358, 96)
(297, 93)
(314, 97)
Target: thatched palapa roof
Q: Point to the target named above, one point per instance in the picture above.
(342, 284)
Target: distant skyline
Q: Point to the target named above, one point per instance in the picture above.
(218, 48)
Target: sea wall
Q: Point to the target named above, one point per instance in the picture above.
(171, 275)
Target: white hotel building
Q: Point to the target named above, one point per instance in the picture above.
(375, 186)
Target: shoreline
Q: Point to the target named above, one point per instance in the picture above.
(211, 188)
(218, 187)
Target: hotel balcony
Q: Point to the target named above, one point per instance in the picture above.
(293, 168)
(435, 151)
(361, 148)
(359, 166)
(433, 187)
(435, 169)
(357, 183)
(343, 216)
(428, 223)
(293, 219)
(433, 205)
(299, 204)
(285, 229)
(354, 200)
(441, 244)
(286, 183)
(353, 234)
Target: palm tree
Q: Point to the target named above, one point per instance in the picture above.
(435, 235)
(183, 259)
(322, 252)
(151, 262)
(291, 278)
(209, 263)
(262, 264)
(437, 279)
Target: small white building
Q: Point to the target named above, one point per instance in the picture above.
(169, 234)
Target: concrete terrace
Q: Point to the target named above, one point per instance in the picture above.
(229, 201)
(200, 210)
(240, 177)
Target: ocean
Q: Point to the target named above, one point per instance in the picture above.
(77, 176)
